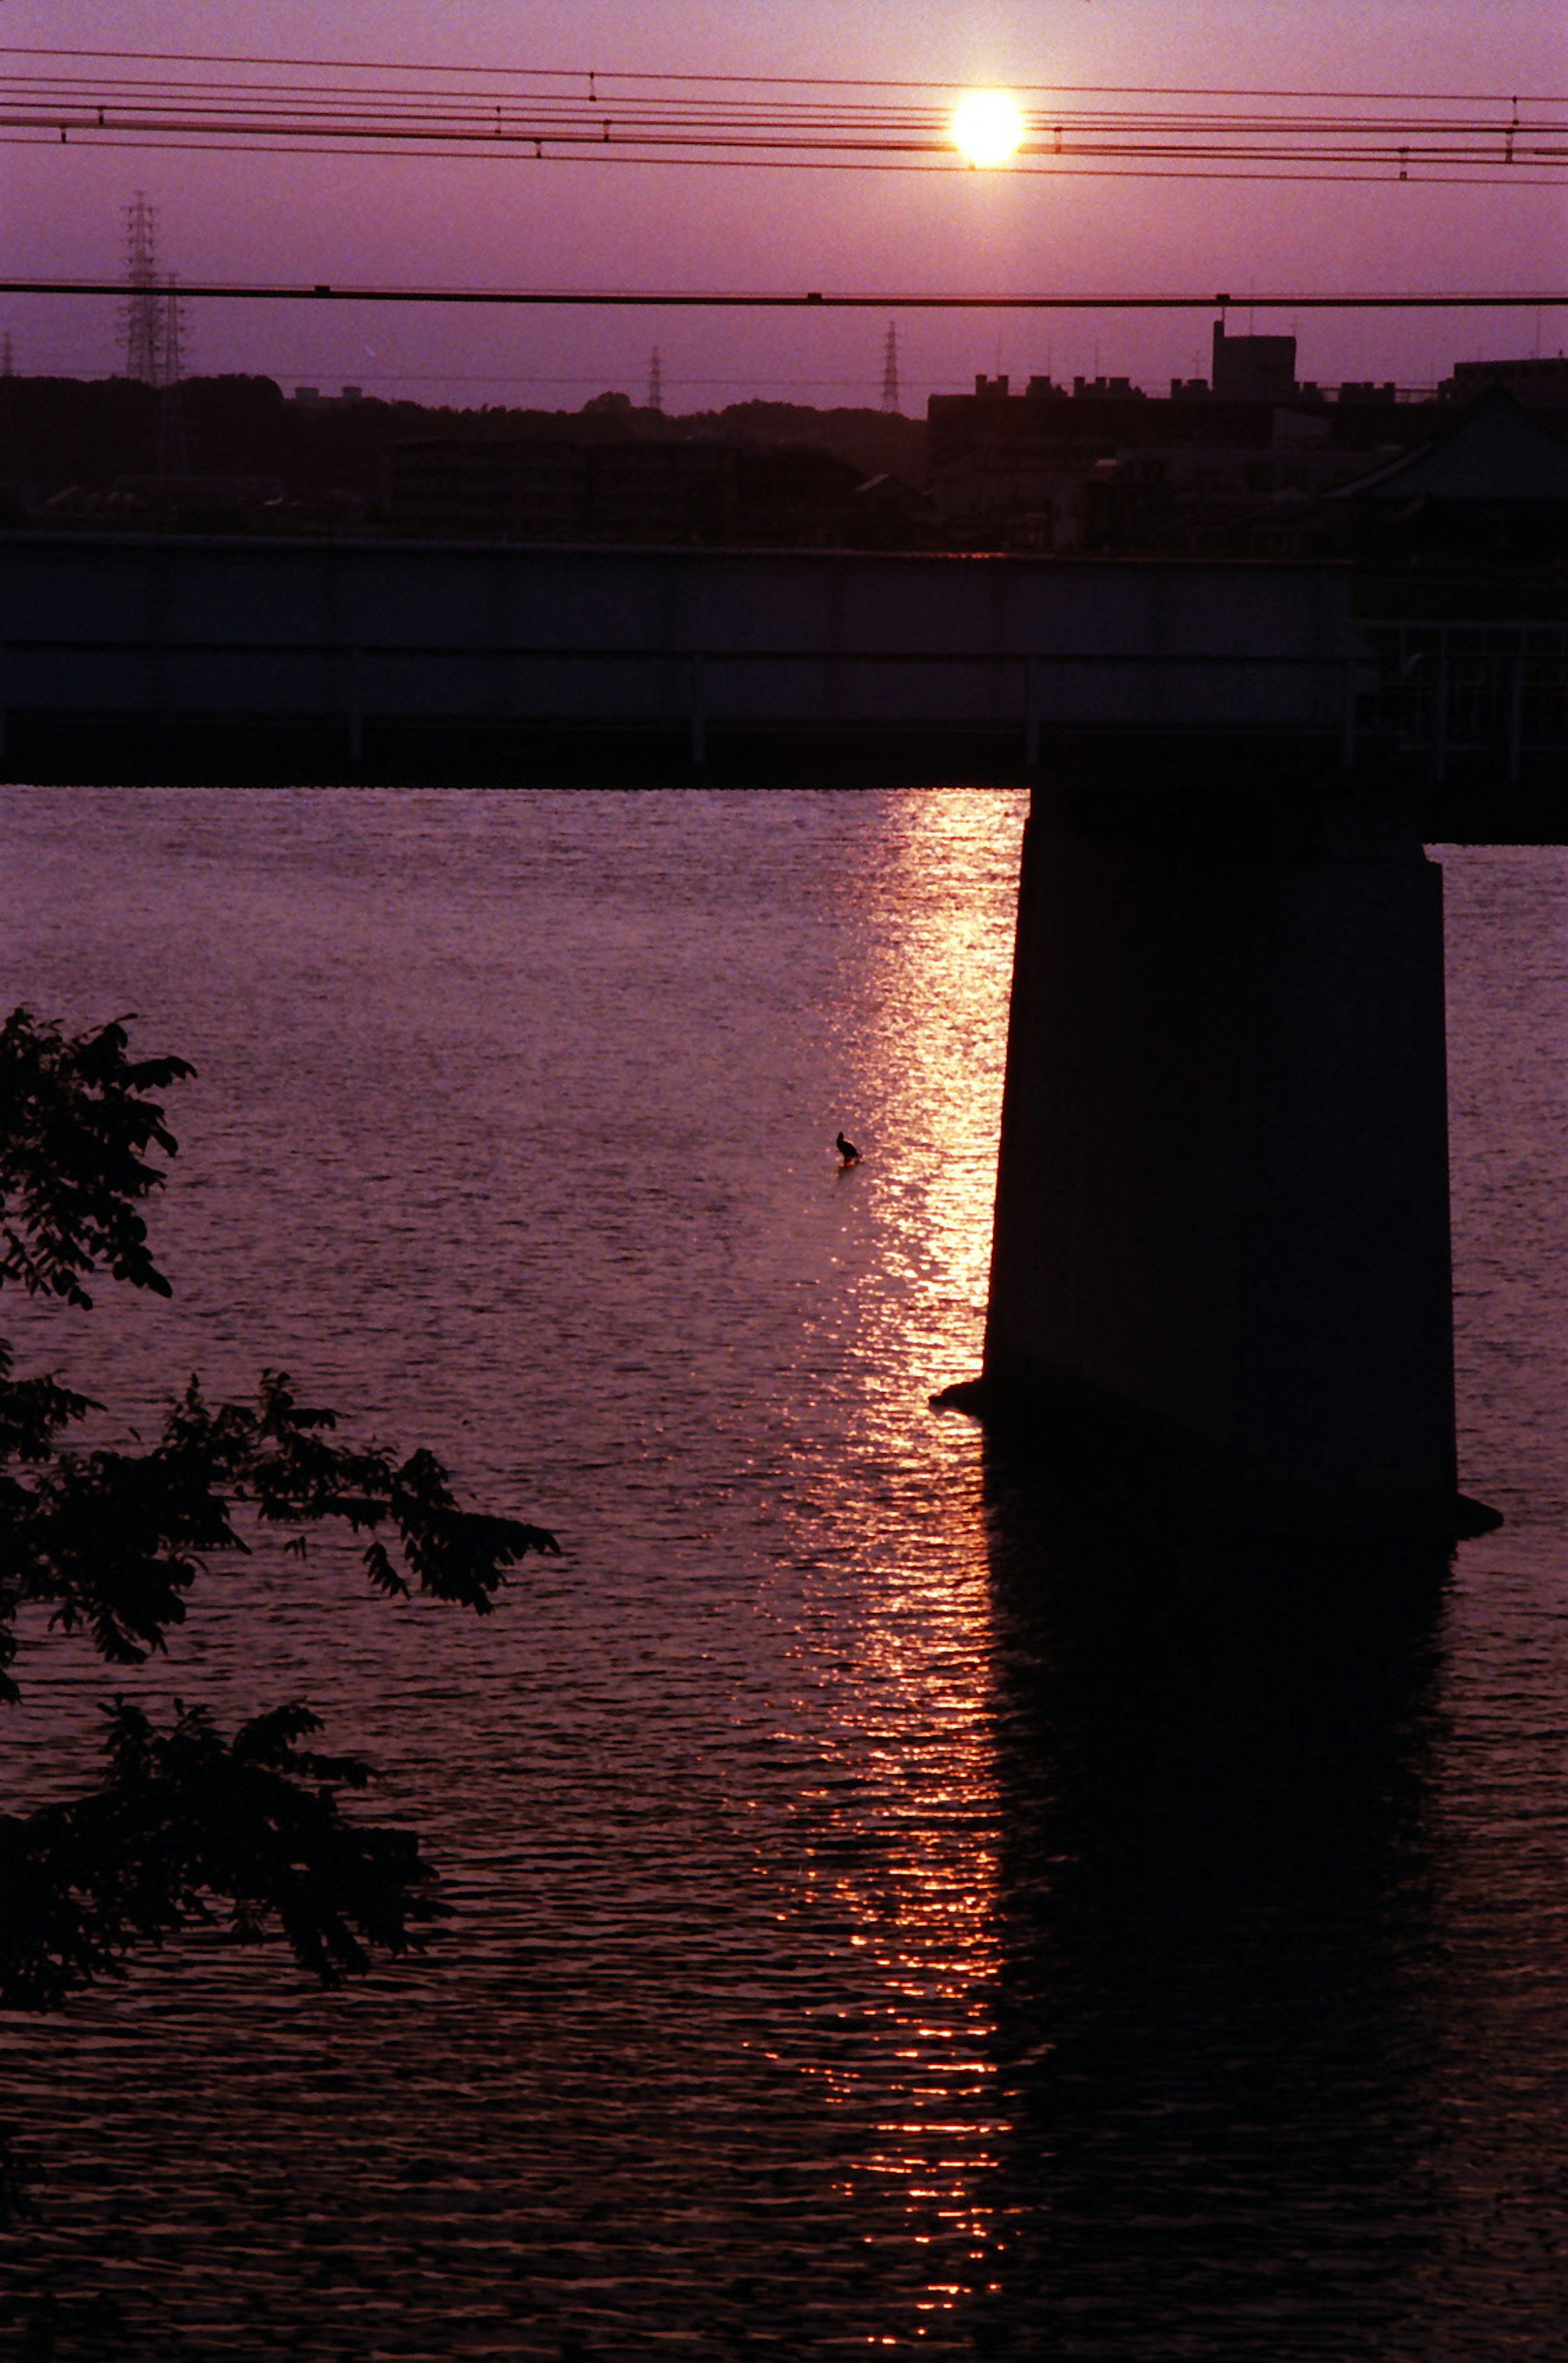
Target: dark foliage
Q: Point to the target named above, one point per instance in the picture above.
(186, 1817)
(75, 1127)
(187, 1827)
(62, 432)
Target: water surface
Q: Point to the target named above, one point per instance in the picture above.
(882, 1923)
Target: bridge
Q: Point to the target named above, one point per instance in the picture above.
(1221, 1246)
(157, 657)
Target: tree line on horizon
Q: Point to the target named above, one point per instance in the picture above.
(58, 432)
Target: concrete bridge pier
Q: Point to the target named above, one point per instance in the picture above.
(1221, 1267)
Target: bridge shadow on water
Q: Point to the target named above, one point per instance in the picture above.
(1216, 2040)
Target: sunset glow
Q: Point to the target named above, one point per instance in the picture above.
(987, 128)
(809, 147)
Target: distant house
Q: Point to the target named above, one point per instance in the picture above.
(1493, 485)
(1540, 381)
(889, 514)
(630, 490)
(1496, 452)
(1496, 480)
(531, 488)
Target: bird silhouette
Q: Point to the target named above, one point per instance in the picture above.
(847, 1151)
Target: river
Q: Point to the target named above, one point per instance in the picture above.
(886, 1922)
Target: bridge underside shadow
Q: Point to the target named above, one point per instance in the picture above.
(1220, 1284)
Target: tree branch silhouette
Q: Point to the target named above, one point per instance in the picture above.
(187, 1827)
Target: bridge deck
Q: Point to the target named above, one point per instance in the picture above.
(361, 640)
(127, 657)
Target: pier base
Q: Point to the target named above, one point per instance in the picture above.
(1222, 1269)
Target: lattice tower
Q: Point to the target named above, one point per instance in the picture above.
(890, 369)
(141, 329)
(655, 382)
(171, 335)
(172, 461)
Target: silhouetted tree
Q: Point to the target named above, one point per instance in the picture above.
(187, 1825)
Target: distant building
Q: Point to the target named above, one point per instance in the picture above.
(539, 489)
(1110, 467)
(661, 492)
(893, 515)
(1492, 486)
(1252, 369)
(1540, 383)
(1495, 459)
(205, 492)
(1103, 389)
(1103, 468)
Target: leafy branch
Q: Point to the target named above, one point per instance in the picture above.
(186, 1820)
(110, 1543)
(75, 1127)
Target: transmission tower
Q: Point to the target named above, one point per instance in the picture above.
(7, 358)
(171, 333)
(141, 327)
(655, 382)
(172, 459)
(890, 369)
(153, 328)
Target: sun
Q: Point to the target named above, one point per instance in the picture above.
(987, 126)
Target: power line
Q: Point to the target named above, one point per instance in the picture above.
(628, 299)
(1066, 169)
(635, 117)
(1423, 142)
(693, 106)
(593, 76)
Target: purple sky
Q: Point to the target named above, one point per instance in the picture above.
(586, 225)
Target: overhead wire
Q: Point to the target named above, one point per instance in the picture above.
(1067, 168)
(724, 163)
(776, 123)
(589, 74)
(446, 111)
(752, 300)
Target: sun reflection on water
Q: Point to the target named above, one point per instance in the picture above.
(717, 2024)
(915, 1720)
(849, 1952)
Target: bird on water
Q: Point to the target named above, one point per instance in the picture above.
(848, 1153)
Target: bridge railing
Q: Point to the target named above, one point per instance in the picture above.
(1449, 688)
